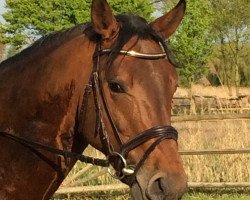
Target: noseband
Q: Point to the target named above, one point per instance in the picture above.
(124, 171)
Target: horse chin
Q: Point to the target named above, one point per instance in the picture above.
(137, 193)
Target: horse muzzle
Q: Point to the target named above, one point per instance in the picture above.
(160, 187)
(166, 187)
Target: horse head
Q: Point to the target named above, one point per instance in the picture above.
(134, 79)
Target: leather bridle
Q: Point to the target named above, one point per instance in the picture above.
(123, 171)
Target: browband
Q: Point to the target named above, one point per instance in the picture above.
(136, 54)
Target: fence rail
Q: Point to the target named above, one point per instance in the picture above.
(71, 185)
(210, 104)
(209, 117)
(214, 151)
(120, 186)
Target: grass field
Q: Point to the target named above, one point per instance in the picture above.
(216, 135)
(206, 168)
(217, 195)
(191, 195)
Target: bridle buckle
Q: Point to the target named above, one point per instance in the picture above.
(126, 169)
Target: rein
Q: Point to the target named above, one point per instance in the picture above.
(123, 171)
(64, 153)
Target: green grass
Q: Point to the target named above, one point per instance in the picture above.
(201, 196)
(191, 195)
(95, 196)
(226, 194)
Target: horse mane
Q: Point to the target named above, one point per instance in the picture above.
(131, 25)
(46, 43)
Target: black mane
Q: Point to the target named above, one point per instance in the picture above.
(131, 25)
(48, 42)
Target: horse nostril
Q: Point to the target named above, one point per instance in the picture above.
(161, 187)
(157, 189)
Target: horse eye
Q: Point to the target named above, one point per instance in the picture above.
(116, 87)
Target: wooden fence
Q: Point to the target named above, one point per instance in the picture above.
(120, 186)
(210, 104)
(215, 151)
(75, 188)
(185, 118)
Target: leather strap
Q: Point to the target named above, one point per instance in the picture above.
(65, 153)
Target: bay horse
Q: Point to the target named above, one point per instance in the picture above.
(108, 83)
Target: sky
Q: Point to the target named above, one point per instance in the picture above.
(2, 9)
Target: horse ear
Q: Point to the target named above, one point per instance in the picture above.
(168, 23)
(103, 19)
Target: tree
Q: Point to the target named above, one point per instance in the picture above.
(142, 8)
(192, 44)
(231, 28)
(26, 20)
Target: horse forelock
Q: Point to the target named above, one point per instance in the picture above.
(47, 43)
(133, 25)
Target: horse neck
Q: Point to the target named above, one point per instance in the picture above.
(53, 80)
(40, 98)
